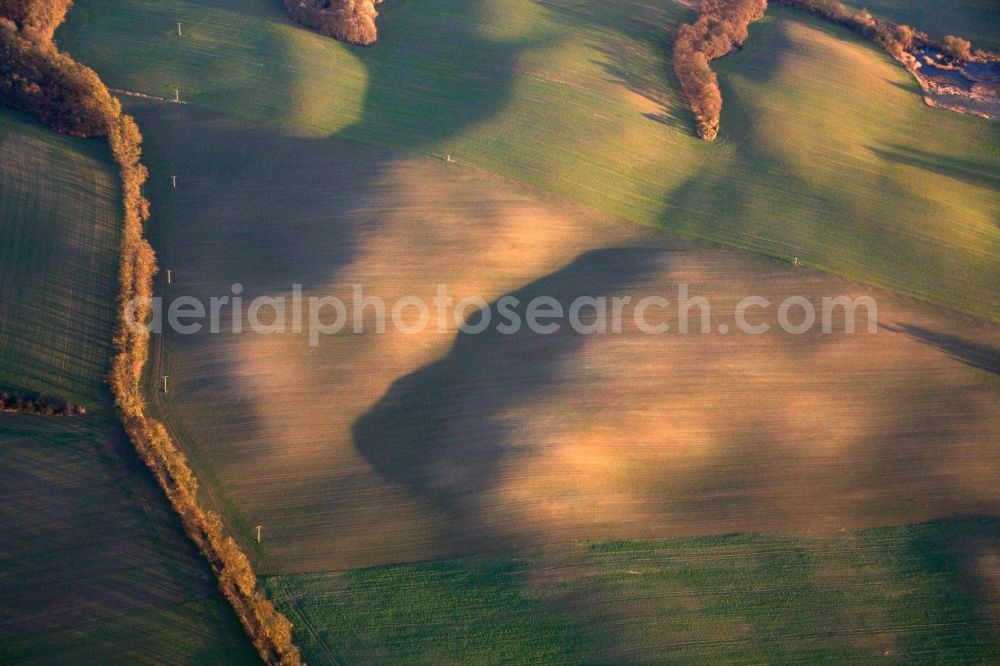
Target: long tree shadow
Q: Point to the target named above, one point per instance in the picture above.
(696, 205)
(970, 171)
(636, 48)
(441, 431)
(975, 354)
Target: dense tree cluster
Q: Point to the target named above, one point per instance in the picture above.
(36, 403)
(36, 19)
(352, 21)
(957, 48)
(36, 78)
(63, 94)
(722, 25)
(829, 9)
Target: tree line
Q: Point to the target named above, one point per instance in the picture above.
(70, 98)
(352, 21)
(721, 26)
(898, 39)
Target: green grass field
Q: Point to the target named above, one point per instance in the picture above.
(928, 594)
(59, 254)
(94, 566)
(975, 20)
(827, 152)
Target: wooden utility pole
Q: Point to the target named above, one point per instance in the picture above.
(174, 179)
(179, 33)
(165, 383)
(177, 95)
(168, 275)
(258, 534)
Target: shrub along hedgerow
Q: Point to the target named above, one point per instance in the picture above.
(36, 403)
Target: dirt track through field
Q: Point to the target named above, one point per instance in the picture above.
(377, 448)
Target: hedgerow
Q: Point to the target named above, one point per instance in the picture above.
(71, 98)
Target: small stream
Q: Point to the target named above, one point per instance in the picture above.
(973, 87)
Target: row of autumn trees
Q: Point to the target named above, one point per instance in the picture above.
(352, 21)
(36, 78)
(896, 38)
(722, 25)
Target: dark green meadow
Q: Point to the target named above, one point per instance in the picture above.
(59, 238)
(94, 565)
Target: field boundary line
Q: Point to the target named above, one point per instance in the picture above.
(156, 98)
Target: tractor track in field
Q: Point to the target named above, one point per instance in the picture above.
(306, 624)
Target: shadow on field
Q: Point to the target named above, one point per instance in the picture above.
(964, 553)
(418, 435)
(772, 45)
(909, 86)
(628, 64)
(299, 225)
(975, 354)
(225, 64)
(419, 92)
(712, 197)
